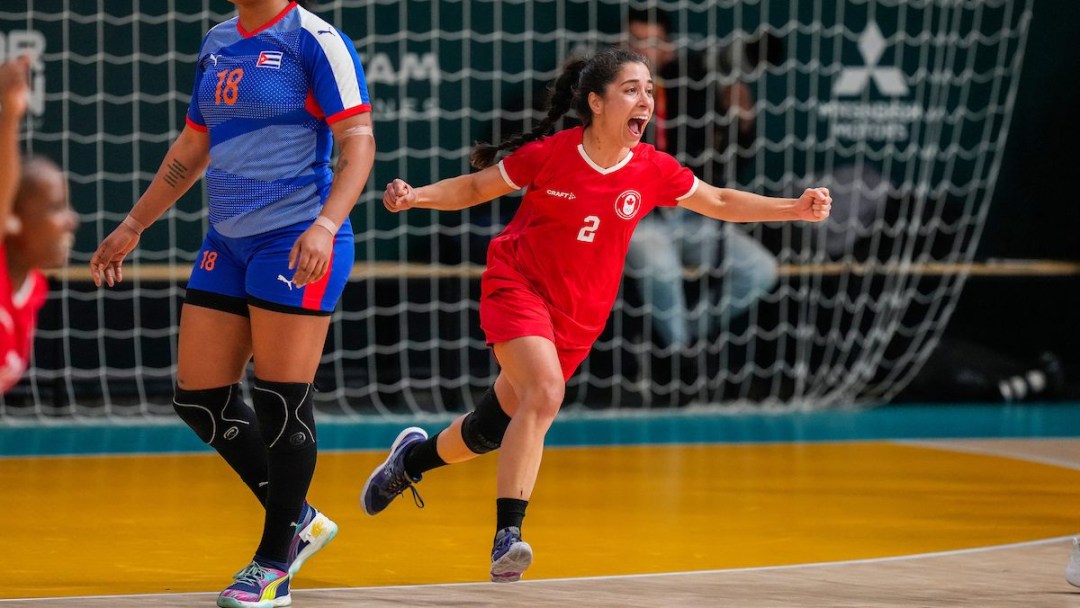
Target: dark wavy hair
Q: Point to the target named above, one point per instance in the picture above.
(570, 91)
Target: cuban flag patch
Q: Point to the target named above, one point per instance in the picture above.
(269, 59)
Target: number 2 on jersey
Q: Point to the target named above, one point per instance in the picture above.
(228, 86)
(588, 231)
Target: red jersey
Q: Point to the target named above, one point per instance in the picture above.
(569, 238)
(18, 318)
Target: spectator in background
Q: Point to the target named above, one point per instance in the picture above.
(670, 240)
(37, 222)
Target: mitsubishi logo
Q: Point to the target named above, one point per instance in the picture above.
(853, 81)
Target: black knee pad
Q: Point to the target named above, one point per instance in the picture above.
(215, 414)
(483, 429)
(286, 414)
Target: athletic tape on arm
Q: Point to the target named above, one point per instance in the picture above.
(358, 130)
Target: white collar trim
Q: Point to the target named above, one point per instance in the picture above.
(22, 294)
(602, 171)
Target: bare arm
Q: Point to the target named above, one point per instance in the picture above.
(737, 206)
(184, 163)
(13, 102)
(356, 156)
(310, 255)
(452, 194)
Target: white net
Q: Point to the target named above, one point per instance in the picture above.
(901, 107)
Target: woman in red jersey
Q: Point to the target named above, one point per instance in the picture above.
(37, 227)
(553, 274)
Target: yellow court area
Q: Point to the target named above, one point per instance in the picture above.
(95, 525)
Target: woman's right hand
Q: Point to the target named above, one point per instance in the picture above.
(399, 196)
(107, 261)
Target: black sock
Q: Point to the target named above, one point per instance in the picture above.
(289, 433)
(509, 512)
(423, 457)
(290, 476)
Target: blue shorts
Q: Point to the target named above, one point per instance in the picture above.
(232, 273)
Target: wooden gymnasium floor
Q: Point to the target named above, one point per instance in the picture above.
(892, 507)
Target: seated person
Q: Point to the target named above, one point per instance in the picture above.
(669, 241)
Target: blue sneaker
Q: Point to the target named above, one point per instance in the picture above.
(389, 479)
(510, 556)
(257, 586)
(313, 532)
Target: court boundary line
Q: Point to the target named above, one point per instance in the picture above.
(944, 445)
(534, 582)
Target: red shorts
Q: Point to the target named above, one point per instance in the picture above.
(509, 310)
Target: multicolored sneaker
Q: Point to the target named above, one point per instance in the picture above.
(389, 479)
(314, 532)
(257, 586)
(1072, 570)
(510, 556)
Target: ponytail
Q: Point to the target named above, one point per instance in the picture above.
(561, 96)
(571, 90)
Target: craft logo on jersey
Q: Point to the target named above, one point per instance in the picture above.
(628, 203)
(269, 59)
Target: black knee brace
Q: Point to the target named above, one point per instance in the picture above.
(483, 429)
(286, 414)
(216, 415)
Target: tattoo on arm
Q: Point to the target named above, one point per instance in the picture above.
(342, 164)
(176, 174)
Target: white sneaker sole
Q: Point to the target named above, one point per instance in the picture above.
(327, 530)
(510, 567)
(393, 448)
(278, 603)
(1072, 571)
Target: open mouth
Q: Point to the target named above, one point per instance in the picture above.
(637, 125)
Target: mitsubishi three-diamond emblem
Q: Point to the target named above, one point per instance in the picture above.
(889, 80)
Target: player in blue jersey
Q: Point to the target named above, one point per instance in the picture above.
(275, 88)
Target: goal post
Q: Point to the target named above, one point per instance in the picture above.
(900, 107)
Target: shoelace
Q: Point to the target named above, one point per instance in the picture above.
(252, 574)
(419, 502)
(506, 541)
(399, 482)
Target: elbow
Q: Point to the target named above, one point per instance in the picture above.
(720, 205)
(360, 148)
(471, 197)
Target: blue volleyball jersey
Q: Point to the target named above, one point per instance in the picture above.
(267, 99)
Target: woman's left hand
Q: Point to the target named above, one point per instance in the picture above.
(310, 256)
(814, 204)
